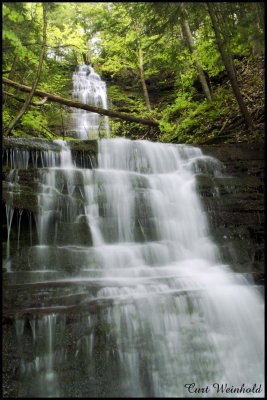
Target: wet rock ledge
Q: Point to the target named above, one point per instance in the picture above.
(45, 145)
(234, 202)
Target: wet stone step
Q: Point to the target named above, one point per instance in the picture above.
(62, 176)
(93, 284)
(240, 185)
(140, 233)
(253, 234)
(48, 299)
(87, 306)
(248, 167)
(82, 159)
(68, 259)
(73, 233)
(67, 283)
(22, 200)
(20, 277)
(34, 144)
(73, 312)
(235, 153)
(252, 203)
(212, 186)
(239, 218)
(71, 259)
(242, 255)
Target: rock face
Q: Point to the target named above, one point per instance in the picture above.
(234, 202)
(235, 205)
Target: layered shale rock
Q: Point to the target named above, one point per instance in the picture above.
(235, 205)
(234, 201)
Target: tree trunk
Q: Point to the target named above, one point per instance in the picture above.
(142, 75)
(260, 15)
(77, 104)
(85, 58)
(188, 35)
(228, 63)
(36, 80)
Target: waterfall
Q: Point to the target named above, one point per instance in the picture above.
(129, 297)
(88, 88)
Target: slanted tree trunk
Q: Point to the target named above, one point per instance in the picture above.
(228, 63)
(36, 80)
(82, 106)
(189, 38)
(142, 76)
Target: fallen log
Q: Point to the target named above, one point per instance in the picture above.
(77, 104)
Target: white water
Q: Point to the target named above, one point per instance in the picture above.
(169, 313)
(186, 318)
(88, 88)
(176, 315)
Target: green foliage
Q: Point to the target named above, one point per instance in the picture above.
(119, 128)
(186, 121)
(111, 34)
(6, 117)
(33, 120)
(127, 102)
(12, 15)
(207, 51)
(32, 124)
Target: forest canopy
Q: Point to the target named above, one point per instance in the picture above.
(195, 68)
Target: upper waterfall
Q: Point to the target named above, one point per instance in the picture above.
(88, 88)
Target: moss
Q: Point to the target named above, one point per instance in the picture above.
(5, 171)
(84, 145)
(204, 182)
(102, 328)
(23, 200)
(242, 185)
(30, 144)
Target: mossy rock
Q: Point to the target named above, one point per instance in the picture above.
(45, 145)
(84, 145)
(30, 144)
(204, 182)
(243, 184)
(22, 200)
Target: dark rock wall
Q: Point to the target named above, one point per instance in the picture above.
(234, 202)
(236, 209)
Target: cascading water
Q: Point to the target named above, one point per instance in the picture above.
(133, 300)
(88, 88)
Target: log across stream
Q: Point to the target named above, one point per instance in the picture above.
(82, 106)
